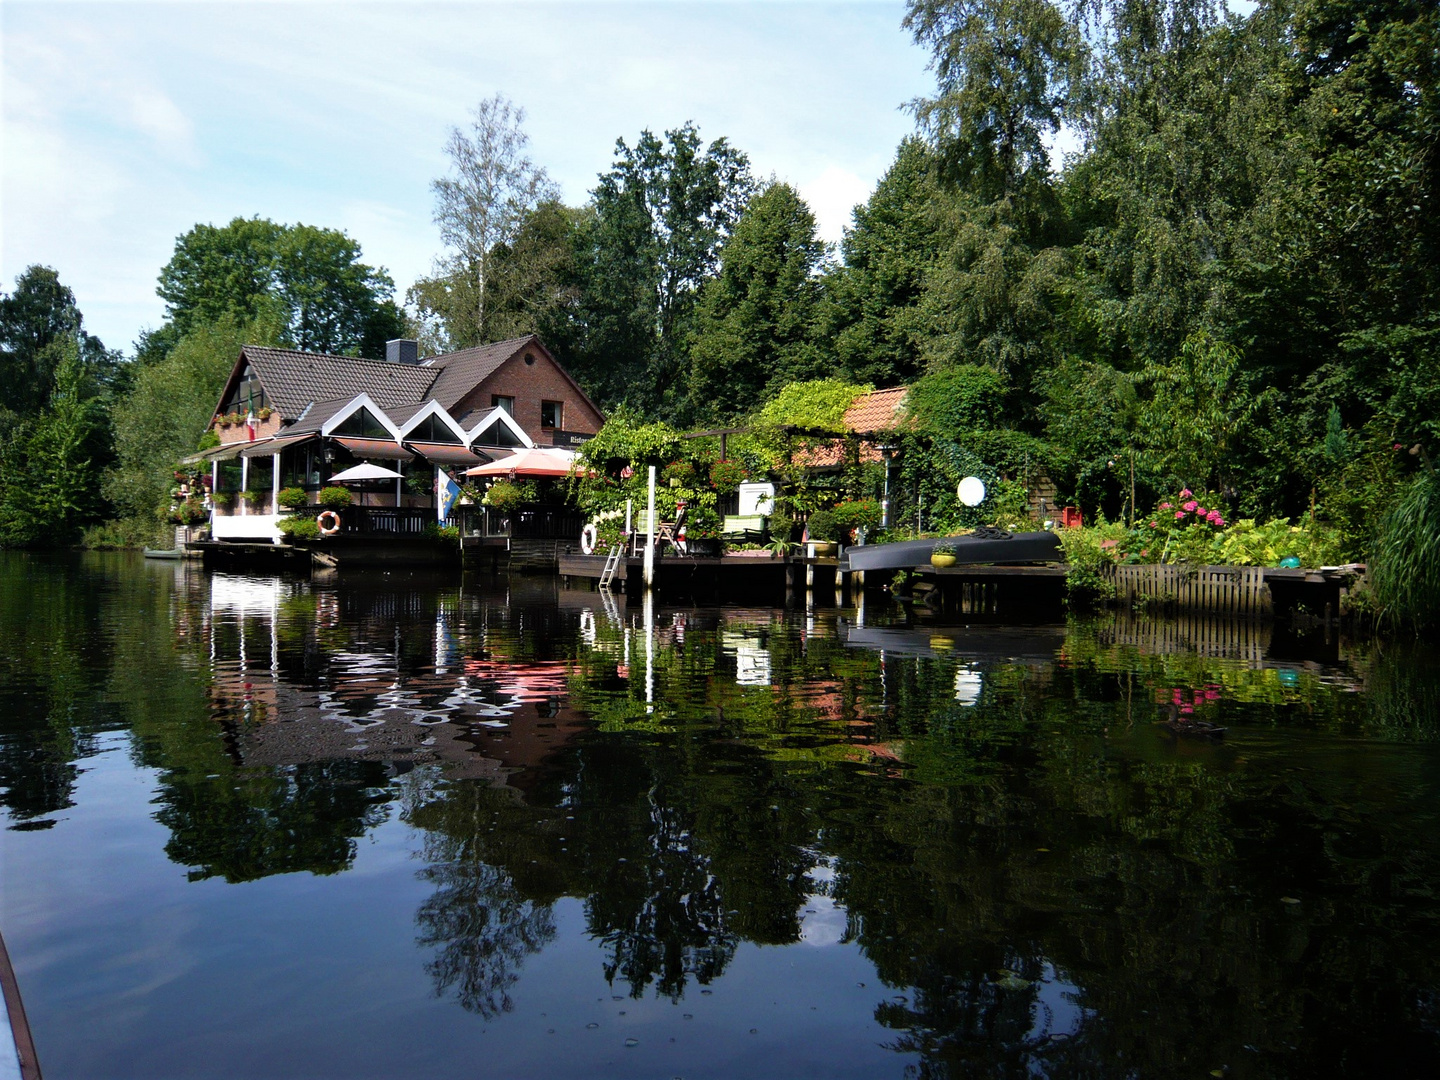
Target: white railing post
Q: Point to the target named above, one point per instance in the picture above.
(650, 532)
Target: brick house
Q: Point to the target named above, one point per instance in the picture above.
(291, 419)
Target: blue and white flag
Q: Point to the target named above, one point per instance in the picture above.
(446, 492)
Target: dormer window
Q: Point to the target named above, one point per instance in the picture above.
(362, 424)
(433, 430)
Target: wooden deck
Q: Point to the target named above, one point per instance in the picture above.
(590, 566)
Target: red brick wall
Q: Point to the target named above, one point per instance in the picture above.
(238, 433)
(529, 385)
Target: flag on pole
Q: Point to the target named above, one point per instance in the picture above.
(446, 492)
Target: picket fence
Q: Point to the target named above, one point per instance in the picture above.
(1204, 634)
(1229, 590)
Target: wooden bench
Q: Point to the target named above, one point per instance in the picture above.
(747, 528)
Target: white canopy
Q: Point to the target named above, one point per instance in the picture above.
(365, 472)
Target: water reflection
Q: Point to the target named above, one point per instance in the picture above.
(1044, 879)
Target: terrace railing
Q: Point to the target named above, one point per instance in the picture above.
(385, 520)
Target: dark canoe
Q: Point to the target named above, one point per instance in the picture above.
(1020, 548)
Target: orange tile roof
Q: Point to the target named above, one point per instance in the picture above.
(875, 411)
(868, 414)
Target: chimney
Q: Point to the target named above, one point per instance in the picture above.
(403, 351)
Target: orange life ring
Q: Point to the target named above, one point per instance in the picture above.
(330, 529)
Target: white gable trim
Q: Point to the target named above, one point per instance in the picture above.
(434, 408)
(360, 401)
(499, 415)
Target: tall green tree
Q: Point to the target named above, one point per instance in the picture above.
(481, 207)
(1007, 73)
(39, 312)
(662, 212)
(755, 330)
(168, 409)
(872, 297)
(310, 280)
(50, 464)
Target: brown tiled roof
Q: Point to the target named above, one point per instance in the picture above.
(317, 413)
(875, 411)
(293, 380)
(456, 374)
(868, 414)
(400, 414)
(448, 454)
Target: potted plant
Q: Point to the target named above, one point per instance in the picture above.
(942, 555)
(726, 476)
(189, 512)
(223, 500)
(504, 496)
(254, 499)
(702, 531)
(298, 528)
(292, 498)
(335, 498)
(822, 530)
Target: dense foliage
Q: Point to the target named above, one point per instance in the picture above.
(308, 280)
(1230, 281)
(56, 382)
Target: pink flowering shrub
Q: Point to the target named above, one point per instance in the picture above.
(1185, 530)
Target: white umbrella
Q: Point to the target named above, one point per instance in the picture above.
(365, 472)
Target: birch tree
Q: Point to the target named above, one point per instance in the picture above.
(491, 188)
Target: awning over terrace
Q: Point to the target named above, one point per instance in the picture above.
(215, 453)
(376, 448)
(266, 447)
(448, 454)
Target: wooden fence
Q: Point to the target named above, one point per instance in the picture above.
(1229, 590)
(1246, 640)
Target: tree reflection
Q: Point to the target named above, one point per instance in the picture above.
(492, 861)
(248, 825)
(1045, 881)
(481, 927)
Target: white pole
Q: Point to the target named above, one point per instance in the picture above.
(650, 644)
(629, 515)
(244, 483)
(650, 533)
(275, 503)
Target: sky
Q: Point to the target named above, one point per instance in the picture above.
(125, 124)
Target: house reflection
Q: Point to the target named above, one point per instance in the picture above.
(304, 674)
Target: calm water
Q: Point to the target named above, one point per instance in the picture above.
(392, 826)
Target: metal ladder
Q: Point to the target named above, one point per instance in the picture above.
(607, 576)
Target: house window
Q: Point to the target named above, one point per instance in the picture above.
(499, 401)
(433, 429)
(248, 396)
(363, 424)
(498, 434)
(552, 414)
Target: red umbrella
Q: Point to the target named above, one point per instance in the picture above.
(532, 461)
